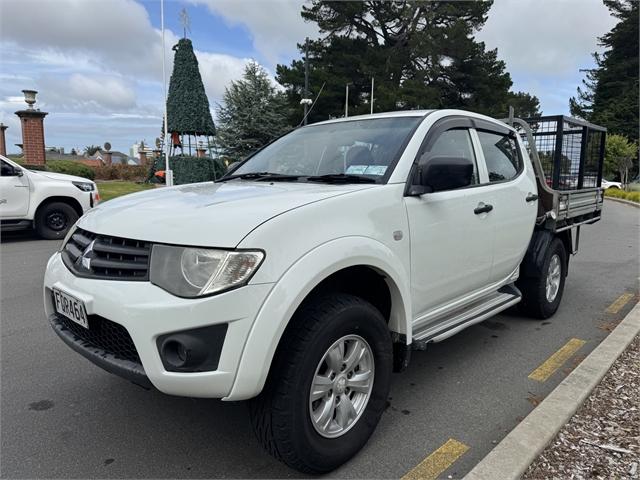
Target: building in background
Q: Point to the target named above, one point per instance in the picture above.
(134, 151)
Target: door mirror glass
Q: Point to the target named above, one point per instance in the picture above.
(446, 173)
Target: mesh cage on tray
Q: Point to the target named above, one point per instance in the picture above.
(571, 151)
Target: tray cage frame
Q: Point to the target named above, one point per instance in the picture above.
(571, 151)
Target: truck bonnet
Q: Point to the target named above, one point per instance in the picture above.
(204, 214)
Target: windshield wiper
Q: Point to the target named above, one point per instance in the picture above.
(341, 178)
(262, 176)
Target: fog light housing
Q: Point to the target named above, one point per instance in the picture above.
(195, 350)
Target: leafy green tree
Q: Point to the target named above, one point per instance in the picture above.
(252, 114)
(619, 156)
(609, 95)
(91, 150)
(187, 103)
(422, 55)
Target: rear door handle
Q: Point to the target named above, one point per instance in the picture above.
(483, 208)
(532, 197)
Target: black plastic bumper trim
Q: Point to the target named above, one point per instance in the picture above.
(134, 372)
(203, 344)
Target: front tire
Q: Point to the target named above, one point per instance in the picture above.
(327, 386)
(54, 220)
(541, 295)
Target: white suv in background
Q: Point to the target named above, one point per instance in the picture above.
(49, 202)
(606, 184)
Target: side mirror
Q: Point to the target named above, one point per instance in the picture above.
(443, 173)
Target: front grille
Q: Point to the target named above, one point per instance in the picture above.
(100, 256)
(105, 335)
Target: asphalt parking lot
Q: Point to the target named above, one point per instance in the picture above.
(63, 417)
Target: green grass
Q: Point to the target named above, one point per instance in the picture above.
(113, 189)
(617, 193)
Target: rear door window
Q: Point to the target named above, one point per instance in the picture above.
(501, 156)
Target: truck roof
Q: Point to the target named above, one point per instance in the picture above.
(414, 113)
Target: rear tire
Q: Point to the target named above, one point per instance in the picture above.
(282, 414)
(541, 295)
(54, 220)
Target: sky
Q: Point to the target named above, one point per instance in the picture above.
(97, 64)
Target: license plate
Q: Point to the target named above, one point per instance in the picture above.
(70, 307)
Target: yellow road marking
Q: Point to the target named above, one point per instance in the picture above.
(438, 461)
(555, 361)
(620, 302)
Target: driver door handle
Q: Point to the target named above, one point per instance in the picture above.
(532, 197)
(483, 208)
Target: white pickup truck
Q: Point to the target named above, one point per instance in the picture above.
(305, 276)
(47, 201)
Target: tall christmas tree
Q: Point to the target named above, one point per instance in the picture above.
(187, 104)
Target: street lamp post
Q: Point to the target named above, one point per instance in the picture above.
(167, 146)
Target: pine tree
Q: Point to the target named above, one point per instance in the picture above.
(187, 104)
(252, 114)
(609, 95)
(422, 55)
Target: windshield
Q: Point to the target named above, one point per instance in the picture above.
(365, 148)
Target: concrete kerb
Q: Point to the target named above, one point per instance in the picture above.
(513, 455)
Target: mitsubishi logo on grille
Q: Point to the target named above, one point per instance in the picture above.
(87, 255)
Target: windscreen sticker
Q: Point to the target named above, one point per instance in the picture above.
(377, 170)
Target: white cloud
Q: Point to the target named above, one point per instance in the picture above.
(113, 33)
(99, 59)
(79, 92)
(218, 71)
(544, 37)
(100, 36)
(275, 25)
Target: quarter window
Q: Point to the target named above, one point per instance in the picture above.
(501, 156)
(455, 143)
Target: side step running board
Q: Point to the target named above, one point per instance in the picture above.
(465, 317)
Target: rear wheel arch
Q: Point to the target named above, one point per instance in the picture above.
(533, 260)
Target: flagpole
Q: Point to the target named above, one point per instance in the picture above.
(167, 145)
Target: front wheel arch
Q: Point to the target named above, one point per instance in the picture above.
(72, 202)
(293, 288)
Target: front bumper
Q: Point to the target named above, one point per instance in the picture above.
(148, 312)
(107, 360)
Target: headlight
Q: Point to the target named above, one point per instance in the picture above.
(195, 272)
(84, 186)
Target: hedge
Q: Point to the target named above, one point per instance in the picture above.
(71, 168)
(121, 172)
(617, 193)
(38, 167)
(64, 166)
